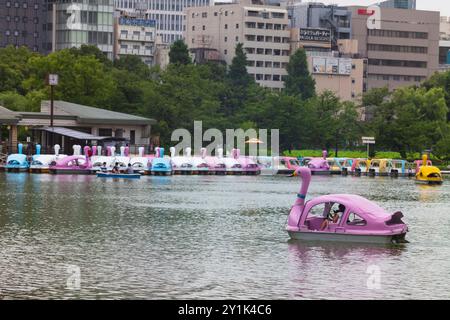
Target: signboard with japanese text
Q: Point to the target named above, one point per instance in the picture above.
(316, 35)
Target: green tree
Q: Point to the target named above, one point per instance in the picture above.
(133, 65)
(82, 79)
(14, 68)
(179, 53)
(237, 73)
(298, 81)
(414, 119)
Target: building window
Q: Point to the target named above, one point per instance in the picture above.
(204, 27)
(16, 5)
(25, 5)
(276, 77)
(226, 13)
(237, 39)
(215, 14)
(225, 39)
(226, 26)
(8, 18)
(204, 14)
(237, 25)
(36, 34)
(225, 51)
(136, 47)
(36, 6)
(16, 19)
(7, 33)
(353, 81)
(193, 41)
(8, 4)
(103, 132)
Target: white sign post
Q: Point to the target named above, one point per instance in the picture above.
(368, 141)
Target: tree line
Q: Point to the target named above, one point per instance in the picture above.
(410, 119)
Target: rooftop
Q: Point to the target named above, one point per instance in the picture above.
(79, 114)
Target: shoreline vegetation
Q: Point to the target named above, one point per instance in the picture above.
(407, 121)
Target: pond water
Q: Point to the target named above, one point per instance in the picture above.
(215, 237)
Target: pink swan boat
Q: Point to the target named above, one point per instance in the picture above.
(76, 164)
(319, 166)
(248, 166)
(357, 219)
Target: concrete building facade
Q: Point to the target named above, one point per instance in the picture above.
(135, 36)
(263, 30)
(72, 23)
(321, 16)
(403, 51)
(168, 14)
(398, 4)
(21, 24)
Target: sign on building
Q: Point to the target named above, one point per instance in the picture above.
(137, 22)
(316, 35)
(331, 65)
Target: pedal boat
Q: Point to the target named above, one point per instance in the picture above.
(17, 162)
(362, 221)
(77, 164)
(427, 173)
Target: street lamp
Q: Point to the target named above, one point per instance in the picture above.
(52, 80)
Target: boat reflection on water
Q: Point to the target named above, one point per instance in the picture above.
(429, 193)
(321, 269)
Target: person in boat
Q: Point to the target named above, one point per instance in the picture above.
(130, 169)
(333, 216)
(103, 168)
(115, 169)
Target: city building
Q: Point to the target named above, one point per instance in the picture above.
(321, 16)
(444, 28)
(21, 24)
(398, 4)
(262, 29)
(339, 71)
(72, 23)
(168, 14)
(404, 49)
(135, 36)
(444, 44)
(76, 124)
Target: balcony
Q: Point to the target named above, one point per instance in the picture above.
(136, 52)
(132, 37)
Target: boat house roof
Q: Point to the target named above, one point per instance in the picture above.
(70, 114)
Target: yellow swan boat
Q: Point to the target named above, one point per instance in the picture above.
(426, 173)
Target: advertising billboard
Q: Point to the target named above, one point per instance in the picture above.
(316, 35)
(331, 65)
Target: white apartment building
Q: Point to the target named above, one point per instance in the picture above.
(263, 30)
(135, 36)
(168, 14)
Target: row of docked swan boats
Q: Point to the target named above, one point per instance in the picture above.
(234, 163)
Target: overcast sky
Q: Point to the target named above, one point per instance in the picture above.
(436, 5)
